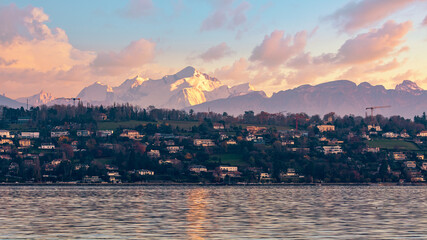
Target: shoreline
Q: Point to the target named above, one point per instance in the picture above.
(213, 184)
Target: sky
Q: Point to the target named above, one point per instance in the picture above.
(62, 46)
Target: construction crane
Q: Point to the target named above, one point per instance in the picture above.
(74, 99)
(372, 110)
(298, 116)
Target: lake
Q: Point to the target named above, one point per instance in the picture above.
(213, 212)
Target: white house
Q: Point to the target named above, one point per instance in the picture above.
(197, 168)
(390, 135)
(203, 142)
(228, 168)
(47, 146)
(59, 134)
(30, 134)
(332, 149)
(143, 172)
(83, 133)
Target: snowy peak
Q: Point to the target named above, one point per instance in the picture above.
(241, 89)
(38, 99)
(132, 83)
(410, 87)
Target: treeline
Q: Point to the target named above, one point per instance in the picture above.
(89, 114)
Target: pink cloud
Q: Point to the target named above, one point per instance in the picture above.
(424, 23)
(134, 55)
(276, 49)
(137, 9)
(216, 52)
(238, 72)
(374, 45)
(225, 15)
(359, 14)
(26, 42)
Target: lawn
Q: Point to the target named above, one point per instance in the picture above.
(393, 144)
(229, 159)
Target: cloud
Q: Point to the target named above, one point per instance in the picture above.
(26, 42)
(216, 52)
(360, 14)
(424, 23)
(134, 55)
(374, 45)
(137, 9)
(238, 72)
(276, 49)
(224, 15)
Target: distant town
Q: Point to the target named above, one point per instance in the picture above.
(126, 144)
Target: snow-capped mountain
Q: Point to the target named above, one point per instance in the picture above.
(342, 97)
(188, 87)
(38, 99)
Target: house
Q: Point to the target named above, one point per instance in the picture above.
(5, 134)
(374, 128)
(410, 164)
(250, 137)
(93, 179)
(197, 168)
(255, 129)
(174, 149)
(372, 149)
(203, 142)
(83, 133)
(424, 166)
(264, 176)
(422, 134)
(131, 134)
(290, 174)
(404, 135)
(47, 146)
(332, 149)
(30, 134)
(25, 143)
(101, 117)
(326, 128)
(144, 172)
(420, 156)
(218, 126)
(170, 161)
(399, 156)
(231, 142)
(390, 135)
(6, 141)
(58, 134)
(114, 177)
(228, 168)
(153, 154)
(104, 133)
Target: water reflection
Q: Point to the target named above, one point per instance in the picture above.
(197, 213)
(228, 212)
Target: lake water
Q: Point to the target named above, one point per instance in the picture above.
(213, 212)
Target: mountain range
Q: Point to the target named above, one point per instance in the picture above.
(192, 89)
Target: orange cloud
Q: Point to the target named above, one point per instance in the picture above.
(27, 43)
(134, 55)
(276, 49)
(374, 45)
(359, 14)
